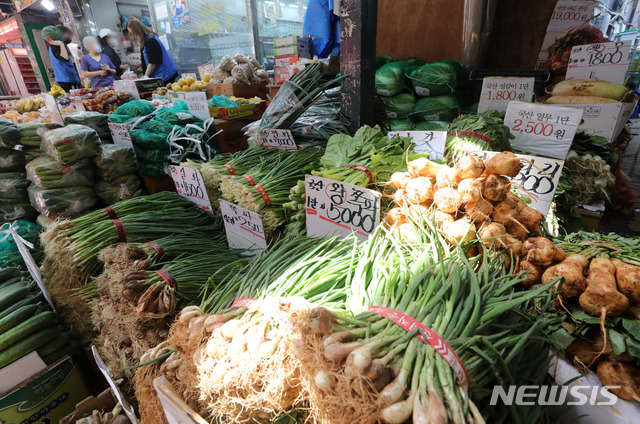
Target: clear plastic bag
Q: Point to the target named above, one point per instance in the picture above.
(96, 120)
(32, 132)
(115, 161)
(68, 202)
(48, 173)
(11, 160)
(13, 185)
(10, 210)
(122, 188)
(71, 143)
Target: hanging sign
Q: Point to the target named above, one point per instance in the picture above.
(279, 139)
(52, 108)
(542, 129)
(600, 61)
(244, 228)
(337, 208)
(497, 92)
(537, 180)
(175, 409)
(189, 184)
(127, 86)
(128, 409)
(431, 142)
(120, 134)
(196, 101)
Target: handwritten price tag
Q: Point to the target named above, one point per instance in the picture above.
(197, 102)
(128, 86)
(337, 208)
(175, 409)
(431, 142)
(52, 108)
(601, 61)
(120, 134)
(542, 129)
(190, 185)
(244, 228)
(279, 139)
(537, 180)
(497, 92)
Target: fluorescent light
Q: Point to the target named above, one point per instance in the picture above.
(48, 5)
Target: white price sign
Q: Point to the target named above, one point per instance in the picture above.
(128, 409)
(52, 108)
(175, 409)
(600, 61)
(120, 134)
(542, 129)
(127, 85)
(431, 142)
(537, 180)
(197, 103)
(497, 92)
(337, 208)
(279, 139)
(189, 184)
(244, 228)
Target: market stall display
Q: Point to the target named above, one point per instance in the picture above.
(238, 69)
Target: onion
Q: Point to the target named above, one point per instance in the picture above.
(399, 412)
(323, 381)
(337, 352)
(230, 328)
(394, 390)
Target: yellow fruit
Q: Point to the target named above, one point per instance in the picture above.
(175, 87)
(193, 87)
(170, 86)
(200, 85)
(206, 78)
(181, 81)
(186, 88)
(190, 80)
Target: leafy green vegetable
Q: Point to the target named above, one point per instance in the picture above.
(432, 126)
(584, 143)
(400, 105)
(617, 342)
(633, 327)
(437, 108)
(434, 79)
(633, 347)
(390, 78)
(487, 124)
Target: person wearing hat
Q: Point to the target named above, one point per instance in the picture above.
(96, 65)
(109, 41)
(62, 63)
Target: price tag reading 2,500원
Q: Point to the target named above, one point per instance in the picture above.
(337, 208)
(244, 228)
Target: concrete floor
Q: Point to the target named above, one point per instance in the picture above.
(622, 224)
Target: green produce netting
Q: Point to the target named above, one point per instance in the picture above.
(46, 172)
(221, 101)
(148, 140)
(400, 125)
(12, 209)
(151, 155)
(115, 161)
(13, 185)
(177, 115)
(71, 143)
(119, 119)
(31, 132)
(436, 108)
(11, 160)
(157, 127)
(67, 202)
(122, 188)
(399, 106)
(153, 170)
(9, 133)
(9, 254)
(432, 126)
(435, 79)
(134, 109)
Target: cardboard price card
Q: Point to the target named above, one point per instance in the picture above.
(126, 407)
(542, 129)
(337, 208)
(189, 184)
(207, 68)
(279, 139)
(600, 61)
(197, 103)
(120, 134)
(537, 180)
(244, 228)
(128, 86)
(431, 142)
(52, 108)
(497, 92)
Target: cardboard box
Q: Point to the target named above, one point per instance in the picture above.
(291, 40)
(46, 397)
(286, 66)
(302, 48)
(104, 402)
(237, 90)
(285, 51)
(232, 138)
(245, 109)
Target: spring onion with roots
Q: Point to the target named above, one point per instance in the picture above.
(170, 247)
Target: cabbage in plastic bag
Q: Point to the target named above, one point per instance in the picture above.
(399, 106)
(400, 125)
(71, 143)
(436, 108)
(434, 79)
(67, 202)
(9, 133)
(390, 78)
(11, 209)
(115, 161)
(48, 173)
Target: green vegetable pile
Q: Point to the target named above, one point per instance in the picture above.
(67, 202)
(71, 143)
(48, 173)
(489, 124)
(32, 132)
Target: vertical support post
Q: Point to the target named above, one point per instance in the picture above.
(358, 27)
(252, 22)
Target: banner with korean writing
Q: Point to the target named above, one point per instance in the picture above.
(337, 208)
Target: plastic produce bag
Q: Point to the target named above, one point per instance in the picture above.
(71, 143)
(149, 140)
(432, 126)
(11, 209)
(48, 173)
(67, 202)
(437, 108)
(390, 78)
(31, 132)
(153, 170)
(115, 161)
(31, 153)
(122, 188)
(399, 106)
(96, 120)
(434, 79)
(400, 125)
(9, 254)
(9, 133)
(135, 108)
(13, 185)
(11, 160)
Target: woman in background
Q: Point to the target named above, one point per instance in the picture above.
(156, 61)
(96, 65)
(64, 69)
(109, 41)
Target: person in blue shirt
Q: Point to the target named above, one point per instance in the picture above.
(96, 65)
(64, 69)
(156, 61)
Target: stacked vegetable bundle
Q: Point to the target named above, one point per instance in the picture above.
(27, 323)
(62, 181)
(14, 200)
(413, 92)
(95, 120)
(116, 171)
(31, 138)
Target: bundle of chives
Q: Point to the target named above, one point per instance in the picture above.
(177, 244)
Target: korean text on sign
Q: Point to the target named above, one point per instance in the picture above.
(244, 228)
(601, 61)
(431, 142)
(190, 185)
(337, 208)
(279, 139)
(497, 92)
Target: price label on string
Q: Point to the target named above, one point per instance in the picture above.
(542, 129)
(120, 134)
(497, 92)
(51, 105)
(244, 228)
(537, 180)
(189, 184)
(600, 61)
(431, 142)
(279, 139)
(337, 208)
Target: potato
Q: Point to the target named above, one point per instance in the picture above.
(534, 273)
(496, 187)
(505, 163)
(628, 278)
(622, 374)
(447, 200)
(539, 250)
(469, 166)
(490, 233)
(572, 270)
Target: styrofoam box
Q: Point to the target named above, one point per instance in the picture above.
(604, 119)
